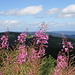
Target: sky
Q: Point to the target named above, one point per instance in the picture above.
(22, 15)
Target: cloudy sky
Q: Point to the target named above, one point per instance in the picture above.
(19, 15)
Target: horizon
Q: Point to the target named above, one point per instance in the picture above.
(20, 15)
(35, 31)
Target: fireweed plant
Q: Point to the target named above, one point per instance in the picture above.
(22, 48)
(4, 40)
(32, 54)
(37, 51)
(65, 61)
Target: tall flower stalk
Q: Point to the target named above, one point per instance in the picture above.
(63, 59)
(5, 43)
(22, 53)
(37, 51)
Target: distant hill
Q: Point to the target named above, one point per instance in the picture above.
(54, 34)
(68, 34)
(54, 45)
(71, 36)
(65, 32)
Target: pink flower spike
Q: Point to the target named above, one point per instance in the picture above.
(66, 49)
(22, 38)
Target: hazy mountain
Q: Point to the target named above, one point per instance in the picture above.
(68, 34)
(65, 32)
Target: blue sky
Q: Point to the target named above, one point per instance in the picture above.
(18, 15)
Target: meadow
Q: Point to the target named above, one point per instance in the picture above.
(29, 55)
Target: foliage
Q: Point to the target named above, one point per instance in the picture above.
(49, 66)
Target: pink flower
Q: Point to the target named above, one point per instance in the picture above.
(31, 73)
(22, 38)
(1, 73)
(63, 46)
(5, 43)
(34, 55)
(41, 52)
(41, 40)
(66, 49)
(41, 37)
(22, 54)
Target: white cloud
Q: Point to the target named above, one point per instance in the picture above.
(66, 12)
(15, 25)
(36, 23)
(31, 10)
(9, 22)
(11, 12)
(69, 9)
(65, 15)
(52, 11)
(2, 12)
(54, 24)
(71, 24)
